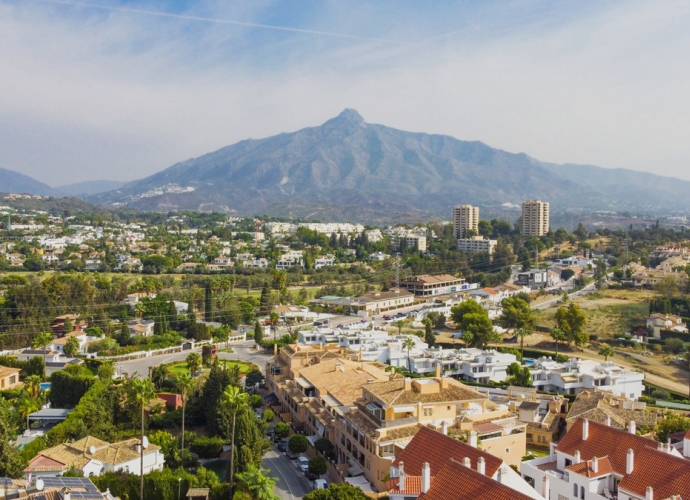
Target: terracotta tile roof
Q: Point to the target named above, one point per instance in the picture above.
(393, 393)
(343, 382)
(434, 447)
(687, 436)
(595, 405)
(455, 480)
(666, 474)
(6, 372)
(413, 485)
(585, 468)
(603, 441)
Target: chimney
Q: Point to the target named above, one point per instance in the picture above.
(502, 473)
(466, 462)
(577, 458)
(420, 411)
(438, 369)
(632, 427)
(473, 439)
(401, 482)
(408, 384)
(649, 494)
(444, 428)
(481, 466)
(545, 487)
(585, 429)
(138, 448)
(607, 421)
(595, 465)
(630, 461)
(426, 477)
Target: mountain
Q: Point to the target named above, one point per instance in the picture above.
(14, 182)
(81, 189)
(350, 169)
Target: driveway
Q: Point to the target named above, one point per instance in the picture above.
(292, 483)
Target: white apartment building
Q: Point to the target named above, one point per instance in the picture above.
(577, 374)
(465, 217)
(324, 261)
(411, 240)
(477, 244)
(334, 227)
(535, 218)
(255, 263)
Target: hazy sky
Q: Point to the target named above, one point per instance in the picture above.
(121, 90)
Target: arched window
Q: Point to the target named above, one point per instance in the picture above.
(574, 491)
(582, 493)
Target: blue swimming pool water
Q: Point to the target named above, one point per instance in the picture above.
(528, 362)
(45, 386)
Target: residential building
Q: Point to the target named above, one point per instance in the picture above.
(427, 285)
(93, 457)
(324, 261)
(648, 278)
(472, 365)
(9, 378)
(411, 240)
(657, 322)
(374, 303)
(54, 360)
(52, 488)
(133, 299)
(576, 375)
(259, 263)
(597, 405)
(534, 278)
(465, 218)
(143, 327)
(594, 461)
(535, 218)
(379, 256)
(575, 260)
(420, 468)
(477, 244)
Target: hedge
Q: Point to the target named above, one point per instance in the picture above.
(670, 334)
(207, 447)
(67, 389)
(32, 367)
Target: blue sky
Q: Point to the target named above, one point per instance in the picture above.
(121, 90)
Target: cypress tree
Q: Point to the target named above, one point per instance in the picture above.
(258, 333)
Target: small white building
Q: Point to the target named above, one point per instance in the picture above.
(657, 322)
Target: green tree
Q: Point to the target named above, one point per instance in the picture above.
(399, 325)
(687, 360)
(517, 313)
(275, 318)
(158, 375)
(673, 423)
(42, 341)
(298, 443)
(282, 430)
(437, 319)
(519, 376)
(185, 385)
(26, 406)
(258, 333)
(571, 321)
(233, 400)
(257, 483)
(323, 445)
(106, 371)
(334, 491)
(408, 344)
(522, 333)
(67, 326)
(428, 333)
(457, 313)
(268, 416)
(318, 465)
(208, 303)
(71, 347)
(606, 351)
(480, 326)
(193, 362)
(10, 461)
(140, 392)
(253, 378)
(558, 336)
(32, 385)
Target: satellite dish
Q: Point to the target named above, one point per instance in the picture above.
(39, 484)
(92, 449)
(145, 442)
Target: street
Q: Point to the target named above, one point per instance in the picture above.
(292, 484)
(242, 350)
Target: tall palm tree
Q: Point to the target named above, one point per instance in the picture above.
(559, 336)
(606, 351)
(185, 384)
(158, 375)
(26, 406)
(522, 333)
(32, 384)
(140, 392)
(193, 362)
(233, 400)
(42, 341)
(258, 483)
(275, 317)
(399, 325)
(408, 344)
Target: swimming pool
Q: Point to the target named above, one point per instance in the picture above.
(528, 362)
(45, 386)
(219, 466)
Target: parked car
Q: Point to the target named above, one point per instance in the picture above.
(271, 432)
(319, 484)
(386, 317)
(290, 455)
(303, 464)
(283, 446)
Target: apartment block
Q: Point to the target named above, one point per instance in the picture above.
(465, 218)
(427, 285)
(477, 244)
(535, 218)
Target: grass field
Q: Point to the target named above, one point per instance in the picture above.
(180, 368)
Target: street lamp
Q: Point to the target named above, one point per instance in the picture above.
(179, 487)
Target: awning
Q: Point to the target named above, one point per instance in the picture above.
(304, 382)
(355, 470)
(329, 400)
(312, 439)
(361, 483)
(569, 378)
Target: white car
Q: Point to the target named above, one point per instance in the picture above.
(319, 484)
(303, 464)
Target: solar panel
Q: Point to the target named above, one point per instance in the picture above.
(71, 482)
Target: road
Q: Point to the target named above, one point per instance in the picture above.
(243, 351)
(292, 484)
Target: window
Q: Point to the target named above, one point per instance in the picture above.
(507, 450)
(428, 412)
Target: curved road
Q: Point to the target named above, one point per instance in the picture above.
(292, 483)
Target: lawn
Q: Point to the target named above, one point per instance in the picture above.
(180, 368)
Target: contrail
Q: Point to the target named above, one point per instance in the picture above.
(212, 20)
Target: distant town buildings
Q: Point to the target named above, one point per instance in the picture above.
(535, 218)
(477, 244)
(465, 218)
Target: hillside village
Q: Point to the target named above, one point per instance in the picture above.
(165, 355)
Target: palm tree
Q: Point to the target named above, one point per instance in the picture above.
(185, 384)
(399, 325)
(559, 336)
(26, 406)
(140, 392)
(233, 400)
(258, 483)
(158, 375)
(71, 347)
(193, 362)
(42, 341)
(606, 351)
(408, 344)
(275, 317)
(32, 384)
(522, 333)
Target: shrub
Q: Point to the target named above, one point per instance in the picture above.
(318, 465)
(298, 443)
(255, 401)
(662, 394)
(207, 447)
(282, 430)
(268, 416)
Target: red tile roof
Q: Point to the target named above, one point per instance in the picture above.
(585, 468)
(455, 480)
(666, 474)
(603, 441)
(436, 448)
(413, 485)
(687, 436)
